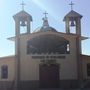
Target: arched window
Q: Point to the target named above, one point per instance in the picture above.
(4, 72)
(68, 48)
(48, 44)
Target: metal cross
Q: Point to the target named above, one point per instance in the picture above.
(71, 4)
(45, 14)
(23, 4)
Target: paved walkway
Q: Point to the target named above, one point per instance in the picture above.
(67, 89)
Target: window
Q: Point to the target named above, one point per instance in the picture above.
(68, 48)
(88, 69)
(48, 44)
(4, 72)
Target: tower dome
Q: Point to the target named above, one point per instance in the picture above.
(45, 27)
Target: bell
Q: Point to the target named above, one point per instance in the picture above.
(23, 23)
(72, 23)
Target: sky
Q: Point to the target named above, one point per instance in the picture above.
(56, 10)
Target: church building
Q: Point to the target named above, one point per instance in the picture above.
(45, 58)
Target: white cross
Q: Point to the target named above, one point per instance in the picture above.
(23, 4)
(45, 14)
(71, 4)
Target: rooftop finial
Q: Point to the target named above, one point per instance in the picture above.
(71, 4)
(45, 21)
(23, 4)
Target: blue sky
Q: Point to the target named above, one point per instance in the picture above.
(56, 9)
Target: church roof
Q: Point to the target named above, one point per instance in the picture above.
(85, 57)
(72, 14)
(23, 14)
(60, 33)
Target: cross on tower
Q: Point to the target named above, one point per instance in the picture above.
(23, 4)
(71, 4)
(45, 14)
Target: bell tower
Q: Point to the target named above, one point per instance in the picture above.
(22, 19)
(73, 19)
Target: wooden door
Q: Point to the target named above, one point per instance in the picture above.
(49, 75)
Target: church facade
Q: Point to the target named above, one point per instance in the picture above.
(46, 58)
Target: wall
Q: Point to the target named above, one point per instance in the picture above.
(85, 61)
(10, 62)
(30, 67)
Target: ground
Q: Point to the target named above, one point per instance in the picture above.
(68, 89)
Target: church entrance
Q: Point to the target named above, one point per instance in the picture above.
(49, 75)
